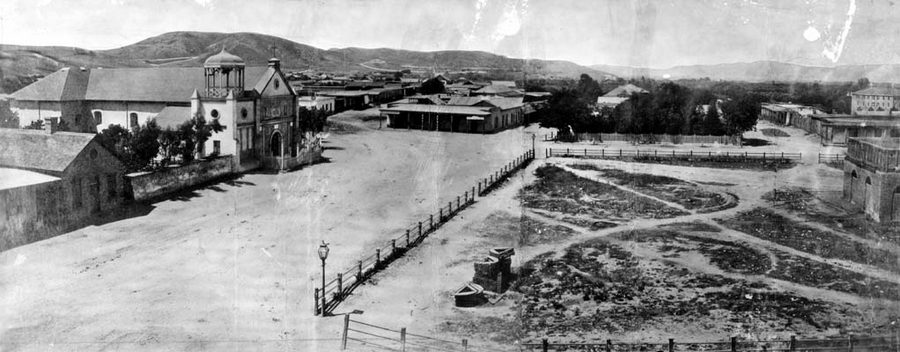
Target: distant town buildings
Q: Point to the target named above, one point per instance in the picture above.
(875, 101)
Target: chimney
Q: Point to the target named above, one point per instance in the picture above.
(51, 124)
(275, 63)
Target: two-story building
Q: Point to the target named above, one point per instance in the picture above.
(872, 177)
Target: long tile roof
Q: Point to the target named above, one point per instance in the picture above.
(41, 151)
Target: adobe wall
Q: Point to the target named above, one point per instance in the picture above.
(876, 199)
(149, 185)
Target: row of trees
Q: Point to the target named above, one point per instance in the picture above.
(138, 147)
(668, 108)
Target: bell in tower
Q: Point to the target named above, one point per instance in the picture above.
(224, 73)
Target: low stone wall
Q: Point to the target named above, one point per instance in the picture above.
(305, 156)
(149, 185)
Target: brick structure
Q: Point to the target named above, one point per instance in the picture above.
(872, 177)
(494, 273)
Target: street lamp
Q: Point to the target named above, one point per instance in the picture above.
(323, 254)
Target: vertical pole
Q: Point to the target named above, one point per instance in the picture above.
(449, 209)
(545, 345)
(344, 335)
(324, 298)
(377, 257)
(465, 196)
(671, 345)
(733, 344)
(850, 343)
(465, 344)
(420, 229)
(793, 345)
(430, 221)
(440, 214)
(359, 273)
(608, 345)
(340, 284)
(403, 339)
(457, 203)
(393, 246)
(473, 193)
(407, 238)
(316, 301)
(479, 187)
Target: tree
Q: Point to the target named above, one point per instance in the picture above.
(588, 89)
(432, 86)
(35, 125)
(712, 124)
(145, 145)
(741, 114)
(863, 83)
(8, 118)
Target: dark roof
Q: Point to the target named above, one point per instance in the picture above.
(440, 109)
(41, 151)
(67, 84)
(173, 116)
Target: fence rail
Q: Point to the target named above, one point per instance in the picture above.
(389, 339)
(650, 138)
(843, 344)
(338, 288)
(832, 159)
(670, 154)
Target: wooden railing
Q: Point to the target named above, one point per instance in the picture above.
(669, 154)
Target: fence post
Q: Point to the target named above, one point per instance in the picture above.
(609, 343)
(403, 339)
(585, 151)
(359, 273)
(340, 283)
(407, 238)
(733, 344)
(377, 258)
(465, 196)
(465, 344)
(449, 209)
(316, 301)
(479, 187)
(440, 214)
(393, 247)
(430, 221)
(420, 229)
(850, 343)
(671, 345)
(545, 346)
(344, 335)
(473, 194)
(793, 345)
(457, 203)
(602, 153)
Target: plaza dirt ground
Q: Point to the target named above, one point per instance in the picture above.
(232, 266)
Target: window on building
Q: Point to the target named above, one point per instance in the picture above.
(133, 120)
(98, 117)
(217, 147)
(244, 113)
(76, 192)
(111, 185)
(214, 113)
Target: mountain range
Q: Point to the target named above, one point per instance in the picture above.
(763, 71)
(20, 64)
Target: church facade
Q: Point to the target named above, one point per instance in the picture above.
(256, 106)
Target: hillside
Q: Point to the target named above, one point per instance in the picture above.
(761, 71)
(19, 63)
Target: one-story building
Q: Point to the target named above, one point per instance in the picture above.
(872, 177)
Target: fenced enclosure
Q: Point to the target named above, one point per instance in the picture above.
(650, 138)
(685, 155)
(835, 160)
(841, 344)
(344, 282)
(379, 338)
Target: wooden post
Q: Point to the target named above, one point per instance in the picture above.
(466, 196)
(479, 187)
(545, 345)
(850, 343)
(407, 238)
(457, 203)
(473, 193)
(359, 273)
(316, 301)
(340, 284)
(449, 209)
(671, 345)
(431, 221)
(403, 339)
(440, 214)
(420, 229)
(609, 343)
(393, 247)
(465, 344)
(793, 345)
(377, 258)
(344, 335)
(733, 344)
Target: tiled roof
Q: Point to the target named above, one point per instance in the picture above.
(505, 103)
(41, 151)
(173, 116)
(440, 109)
(884, 91)
(67, 84)
(468, 101)
(625, 90)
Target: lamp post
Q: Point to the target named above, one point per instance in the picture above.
(533, 137)
(323, 254)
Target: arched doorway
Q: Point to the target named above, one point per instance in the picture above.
(275, 144)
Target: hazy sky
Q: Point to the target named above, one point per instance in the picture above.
(654, 33)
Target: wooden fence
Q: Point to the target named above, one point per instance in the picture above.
(379, 338)
(843, 344)
(836, 160)
(687, 155)
(651, 138)
(344, 282)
